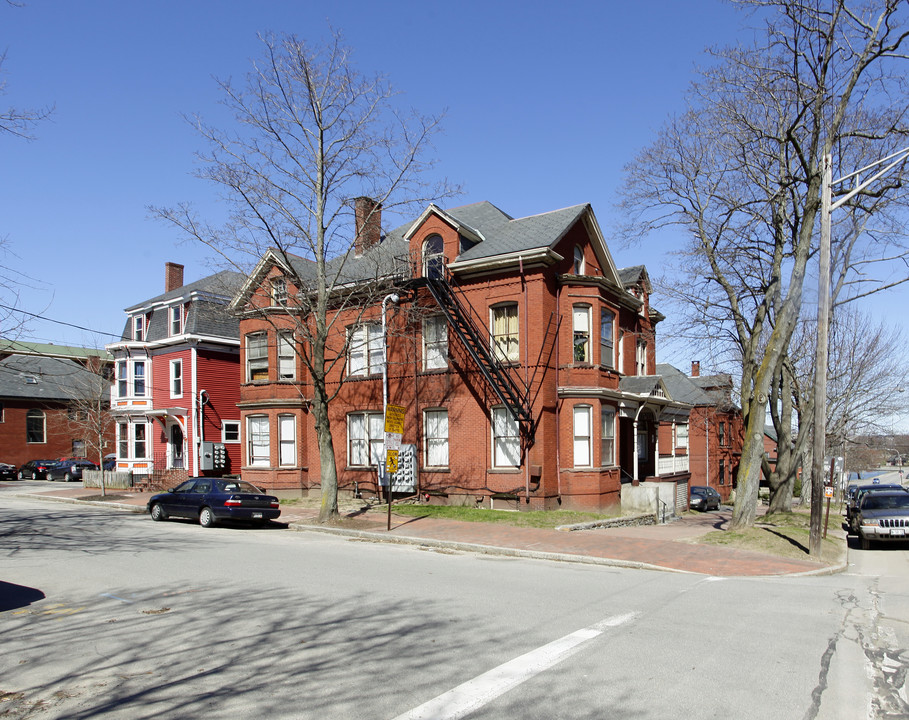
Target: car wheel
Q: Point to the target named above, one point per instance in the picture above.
(206, 517)
(21, 475)
(67, 477)
(157, 513)
(34, 475)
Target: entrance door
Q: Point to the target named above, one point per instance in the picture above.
(176, 446)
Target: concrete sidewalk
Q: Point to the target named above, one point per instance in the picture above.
(658, 547)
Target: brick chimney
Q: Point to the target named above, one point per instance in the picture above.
(368, 218)
(696, 368)
(173, 276)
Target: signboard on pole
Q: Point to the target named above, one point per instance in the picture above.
(394, 419)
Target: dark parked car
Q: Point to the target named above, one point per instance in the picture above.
(7, 471)
(70, 470)
(211, 500)
(883, 516)
(861, 491)
(35, 469)
(704, 498)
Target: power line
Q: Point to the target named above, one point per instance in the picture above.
(58, 322)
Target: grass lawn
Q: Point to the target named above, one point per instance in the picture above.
(533, 518)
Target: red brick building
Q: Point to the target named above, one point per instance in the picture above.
(524, 359)
(715, 427)
(41, 387)
(177, 379)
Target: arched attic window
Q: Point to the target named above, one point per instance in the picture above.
(433, 257)
(579, 265)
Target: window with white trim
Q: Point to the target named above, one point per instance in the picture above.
(230, 431)
(607, 342)
(140, 444)
(607, 435)
(279, 291)
(506, 439)
(579, 265)
(287, 440)
(435, 438)
(640, 357)
(176, 320)
(35, 427)
(139, 378)
(721, 433)
(365, 350)
(365, 439)
(122, 440)
(582, 435)
(258, 449)
(505, 332)
(580, 321)
(122, 379)
(435, 342)
(681, 435)
(139, 328)
(176, 378)
(257, 357)
(433, 257)
(287, 356)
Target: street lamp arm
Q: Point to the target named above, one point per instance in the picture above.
(900, 156)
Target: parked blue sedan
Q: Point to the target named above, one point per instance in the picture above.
(211, 500)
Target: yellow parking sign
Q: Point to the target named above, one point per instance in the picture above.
(394, 419)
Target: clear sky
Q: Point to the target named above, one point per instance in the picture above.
(546, 102)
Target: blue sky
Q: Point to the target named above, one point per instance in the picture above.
(546, 102)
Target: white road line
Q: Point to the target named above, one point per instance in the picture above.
(473, 694)
(114, 597)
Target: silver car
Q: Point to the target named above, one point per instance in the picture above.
(883, 516)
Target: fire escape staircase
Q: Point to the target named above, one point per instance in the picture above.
(503, 380)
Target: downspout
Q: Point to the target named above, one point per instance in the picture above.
(526, 368)
(558, 434)
(203, 400)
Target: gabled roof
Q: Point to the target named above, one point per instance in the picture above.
(47, 378)
(19, 347)
(707, 390)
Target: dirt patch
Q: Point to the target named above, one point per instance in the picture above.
(105, 498)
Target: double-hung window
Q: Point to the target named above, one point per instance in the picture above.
(176, 378)
(139, 328)
(435, 434)
(278, 291)
(607, 436)
(435, 342)
(433, 257)
(640, 357)
(176, 320)
(256, 357)
(287, 356)
(722, 434)
(122, 379)
(580, 315)
(365, 350)
(287, 440)
(258, 442)
(506, 440)
(607, 346)
(365, 439)
(34, 426)
(139, 379)
(681, 435)
(582, 435)
(505, 332)
(139, 441)
(123, 440)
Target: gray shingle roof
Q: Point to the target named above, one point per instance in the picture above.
(46, 378)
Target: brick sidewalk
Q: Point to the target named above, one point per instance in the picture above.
(663, 547)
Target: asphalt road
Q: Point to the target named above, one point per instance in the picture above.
(110, 615)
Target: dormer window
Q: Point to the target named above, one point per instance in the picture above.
(139, 328)
(433, 257)
(579, 264)
(176, 320)
(278, 291)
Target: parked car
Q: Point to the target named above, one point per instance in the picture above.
(883, 516)
(211, 500)
(860, 492)
(704, 498)
(70, 470)
(7, 471)
(35, 469)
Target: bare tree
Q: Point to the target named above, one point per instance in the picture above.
(312, 136)
(740, 171)
(89, 415)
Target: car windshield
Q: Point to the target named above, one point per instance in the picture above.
(880, 501)
(237, 486)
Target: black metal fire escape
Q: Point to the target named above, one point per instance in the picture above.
(502, 377)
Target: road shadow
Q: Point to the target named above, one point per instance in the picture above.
(13, 597)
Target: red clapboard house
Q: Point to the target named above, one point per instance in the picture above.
(177, 380)
(524, 359)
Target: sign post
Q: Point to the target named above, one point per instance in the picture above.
(394, 430)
